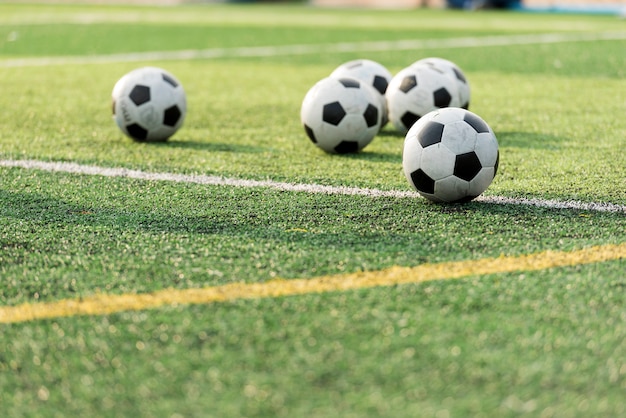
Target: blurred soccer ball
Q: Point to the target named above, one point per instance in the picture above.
(371, 73)
(450, 155)
(416, 90)
(341, 115)
(453, 71)
(149, 104)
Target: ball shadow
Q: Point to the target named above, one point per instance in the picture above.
(208, 146)
(391, 133)
(373, 156)
(530, 140)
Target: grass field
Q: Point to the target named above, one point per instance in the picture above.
(238, 271)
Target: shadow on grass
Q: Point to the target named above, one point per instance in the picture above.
(263, 230)
(391, 134)
(268, 214)
(530, 140)
(314, 221)
(208, 146)
(373, 156)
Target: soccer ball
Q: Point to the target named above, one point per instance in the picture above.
(149, 104)
(454, 71)
(450, 155)
(369, 72)
(341, 115)
(417, 90)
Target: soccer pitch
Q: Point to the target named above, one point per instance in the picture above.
(239, 271)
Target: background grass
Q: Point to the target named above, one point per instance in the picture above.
(545, 343)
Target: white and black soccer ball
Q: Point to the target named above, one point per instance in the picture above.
(341, 115)
(450, 155)
(416, 90)
(453, 71)
(149, 104)
(369, 72)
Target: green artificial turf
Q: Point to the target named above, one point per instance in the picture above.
(546, 343)
(190, 236)
(489, 346)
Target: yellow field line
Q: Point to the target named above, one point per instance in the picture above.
(102, 304)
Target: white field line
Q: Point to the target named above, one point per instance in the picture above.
(271, 51)
(93, 170)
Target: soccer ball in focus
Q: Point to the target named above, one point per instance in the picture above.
(450, 155)
(416, 90)
(371, 73)
(341, 115)
(149, 104)
(454, 71)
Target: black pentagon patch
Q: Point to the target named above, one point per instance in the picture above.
(170, 80)
(140, 94)
(430, 134)
(409, 118)
(442, 98)
(350, 83)
(371, 115)
(171, 116)
(380, 84)
(310, 134)
(333, 113)
(459, 75)
(137, 132)
(475, 122)
(408, 83)
(423, 182)
(347, 147)
(465, 106)
(467, 166)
